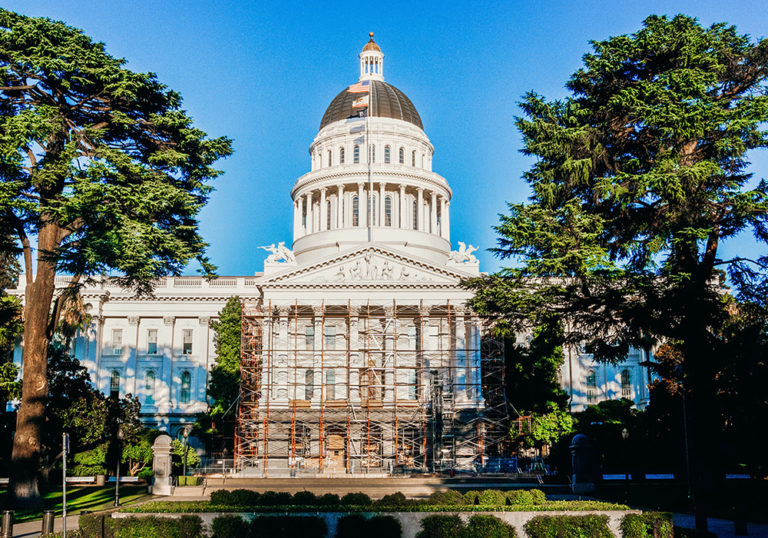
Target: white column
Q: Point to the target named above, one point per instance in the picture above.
(340, 207)
(382, 221)
(442, 216)
(132, 362)
(447, 220)
(308, 229)
(323, 211)
(402, 206)
(420, 209)
(361, 209)
(354, 348)
(296, 218)
(461, 354)
(433, 214)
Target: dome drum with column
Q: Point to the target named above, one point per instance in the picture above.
(410, 203)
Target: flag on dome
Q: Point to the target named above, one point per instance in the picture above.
(360, 102)
(360, 87)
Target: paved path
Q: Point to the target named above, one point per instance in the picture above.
(33, 528)
(721, 527)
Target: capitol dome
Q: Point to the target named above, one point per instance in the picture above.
(386, 101)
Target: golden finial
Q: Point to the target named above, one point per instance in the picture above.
(371, 34)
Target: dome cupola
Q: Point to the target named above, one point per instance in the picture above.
(371, 61)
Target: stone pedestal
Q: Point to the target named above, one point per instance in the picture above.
(161, 465)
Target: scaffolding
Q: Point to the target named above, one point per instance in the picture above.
(337, 389)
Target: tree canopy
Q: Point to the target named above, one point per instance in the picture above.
(102, 172)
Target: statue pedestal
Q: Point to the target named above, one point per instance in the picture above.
(161, 465)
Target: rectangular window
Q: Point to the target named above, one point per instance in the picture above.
(309, 337)
(152, 341)
(117, 341)
(412, 385)
(330, 384)
(412, 337)
(187, 342)
(330, 338)
(309, 384)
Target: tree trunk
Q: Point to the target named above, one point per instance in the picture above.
(27, 442)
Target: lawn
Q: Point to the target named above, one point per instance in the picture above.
(80, 498)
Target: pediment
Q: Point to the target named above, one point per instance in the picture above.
(368, 266)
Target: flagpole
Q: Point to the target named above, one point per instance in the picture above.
(370, 179)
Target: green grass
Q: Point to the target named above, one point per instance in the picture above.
(80, 498)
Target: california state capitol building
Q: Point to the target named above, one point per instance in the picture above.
(359, 352)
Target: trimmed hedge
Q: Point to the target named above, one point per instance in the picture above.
(230, 527)
(355, 499)
(447, 498)
(591, 526)
(653, 524)
(100, 525)
(492, 497)
(471, 497)
(440, 527)
(357, 525)
(482, 526)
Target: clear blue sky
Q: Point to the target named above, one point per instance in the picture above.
(264, 72)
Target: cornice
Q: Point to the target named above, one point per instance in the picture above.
(349, 176)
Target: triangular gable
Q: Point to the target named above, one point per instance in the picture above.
(366, 265)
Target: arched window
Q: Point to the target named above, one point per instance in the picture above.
(402, 156)
(386, 154)
(371, 210)
(149, 388)
(591, 386)
(309, 384)
(330, 384)
(626, 384)
(328, 215)
(114, 383)
(388, 211)
(330, 157)
(356, 154)
(341, 155)
(186, 387)
(413, 158)
(415, 215)
(373, 153)
(355, 211)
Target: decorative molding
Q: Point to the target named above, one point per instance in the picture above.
(168, 320)
(133, 320)
(204, 320)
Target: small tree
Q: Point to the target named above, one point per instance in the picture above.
(103, 172)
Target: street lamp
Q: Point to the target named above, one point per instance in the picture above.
(117, 466)
(185, 432)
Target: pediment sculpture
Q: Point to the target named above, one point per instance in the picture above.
(280, 253)
(464, 254)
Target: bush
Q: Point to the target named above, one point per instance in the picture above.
(304, 498)
(356, 499)
(230, 527)
(520, 497)
(274, 498)
(356, 525)
(91, 526)
(393, 499)
(288, 527)
(237, 497)
(537, 496)
(566, 526)
(471, 497)
(447, 498)
(492, 497)
(146, 473)
(331, 499)
(440, 527)
(487, 527)
(190, 480)
(655, 524)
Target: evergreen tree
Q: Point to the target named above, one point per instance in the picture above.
(640, 175)
(103, 172)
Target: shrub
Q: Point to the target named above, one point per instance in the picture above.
(566, 526)
(440, 527)
(274, 498)
(655, 524)
(331, 499)
(520, 497)
(356, 525)
(537, 496)
(447, 498)
(289, 526)
(356, 499)
(230, 527)
(393, 499)
(146, 474)
(304, 498)
(472, 497)
(237, 497)
(481, 526)
(492, 497)
(92, 526)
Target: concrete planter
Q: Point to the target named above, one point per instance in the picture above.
(411, 521)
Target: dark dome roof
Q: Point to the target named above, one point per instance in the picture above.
(386, 101)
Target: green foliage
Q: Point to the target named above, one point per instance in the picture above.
(236, 497)
(549, 428)
(230, 527)
(177, 453)
(190, 480)
(537, 496)
(306, 498)
(571, 526)
(356, 499)
(482, 526)
(274, 498)
(137, 455)
(184, 526)
(356, 525)
(447, 498)
(393, 500)
(519, 497)
(90, 462)
(330, 499)
(492, 497)
(648, 524)
(472, 497)
(440, 527)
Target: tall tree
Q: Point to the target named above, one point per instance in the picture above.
(640, 175)
(103, 171)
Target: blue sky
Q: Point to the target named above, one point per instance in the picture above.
(263, 73)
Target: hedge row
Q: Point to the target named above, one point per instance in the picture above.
(103, 526)
(654, 524)
(269, 527)
(592, 526)
(452, 526)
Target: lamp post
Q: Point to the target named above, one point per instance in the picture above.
(186, 439)
(625, 437)
(117, 466)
